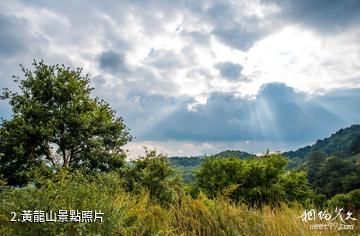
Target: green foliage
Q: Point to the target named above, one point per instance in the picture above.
(2, 181)
(295, 163)
(340, 144)
(296, 187)
(197, 160)
(188, 165)
(315, 162)
(153, 173)
(349, 201)
(336, 176)
(64, 191)
(257, 181)
(300, 153)
(60, 142)
(234, 153)
(136, 214)
(186, 161)
(355, 145)
(56, 123)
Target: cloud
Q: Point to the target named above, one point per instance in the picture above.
(158, 63)
(143, 111)
(229, 70)
(16, 36)
(10, 42)
(323, 15)
(231, 30)
(237, 24)
(200, 38)
(164, 59)
(238, 37)
(112, 61)
(278, 113)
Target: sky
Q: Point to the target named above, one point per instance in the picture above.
(199, 77)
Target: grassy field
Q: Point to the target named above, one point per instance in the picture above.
(136, 214)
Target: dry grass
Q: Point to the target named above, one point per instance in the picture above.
(128, 214)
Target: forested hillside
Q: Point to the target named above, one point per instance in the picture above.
(188, 165)
(197, 160)
(344, 143)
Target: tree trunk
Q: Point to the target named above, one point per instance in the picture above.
(65, 159)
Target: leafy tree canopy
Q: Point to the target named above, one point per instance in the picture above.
(153, 173)
(56, 123)
(355, 146)
(350, 201)
(336, 176)
(255, 181)
(315, 162)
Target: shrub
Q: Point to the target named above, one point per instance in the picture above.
(256, 181)
(349, 201)
(153, 173)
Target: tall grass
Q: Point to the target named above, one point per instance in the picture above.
(129, 214)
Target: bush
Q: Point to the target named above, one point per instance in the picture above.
(153, 173)
(349, 201)
(256, 181)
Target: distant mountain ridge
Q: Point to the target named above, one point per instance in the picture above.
(187, 165)
(196, 160)
(235, 153)
(341, 143)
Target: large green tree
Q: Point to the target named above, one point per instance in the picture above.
(56, 123)
(315, 162)
(337, 176)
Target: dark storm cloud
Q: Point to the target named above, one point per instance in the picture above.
(324, 15)
(278, 113)
(112, 61)
(14, 37)
(237, 36)
(229, 70)
(241, 29)
(229, 24)
(19, 44)
(145, 110)
(228, 29)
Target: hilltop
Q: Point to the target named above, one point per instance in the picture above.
(194, 161)
(343, 143)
